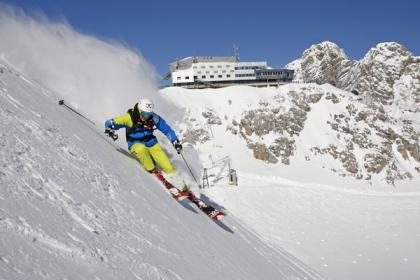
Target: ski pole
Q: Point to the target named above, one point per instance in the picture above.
(61, 102)
(189, 168)
(110, 133)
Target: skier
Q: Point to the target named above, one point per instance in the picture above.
(140, 122)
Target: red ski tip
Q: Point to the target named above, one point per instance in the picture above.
(218, 217)
(180, 197)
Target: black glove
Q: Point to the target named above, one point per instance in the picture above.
(177, 146)
(111, 133)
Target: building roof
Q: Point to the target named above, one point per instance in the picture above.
(186, 63)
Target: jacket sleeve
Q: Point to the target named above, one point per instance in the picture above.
(165, 128)
(120, 122)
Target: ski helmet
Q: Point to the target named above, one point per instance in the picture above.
(145, 107)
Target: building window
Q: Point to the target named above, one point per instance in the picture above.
(194, 67)
(207, 72)
(203, 67)
(195, 77)
(211, 66)
(224, 71)
(199, 72)
(187, 78)
(211, 76)
(219, 66)
(203, 77)
(227, 76)
(220, 76)
(178, 78)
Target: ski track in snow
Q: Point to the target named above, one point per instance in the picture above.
(32, 171)
(23, 228)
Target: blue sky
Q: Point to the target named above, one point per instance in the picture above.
(275, 31)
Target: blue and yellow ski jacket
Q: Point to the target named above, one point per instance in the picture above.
(138, 131)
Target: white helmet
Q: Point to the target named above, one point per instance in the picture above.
(145, 105)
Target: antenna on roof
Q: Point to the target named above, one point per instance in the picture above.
(236, 52)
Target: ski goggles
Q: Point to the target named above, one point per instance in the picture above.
(146, 114)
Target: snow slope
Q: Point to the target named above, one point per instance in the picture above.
(75, 206)
(343, 226)
(342, 234)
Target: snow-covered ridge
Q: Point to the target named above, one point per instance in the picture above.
(322, 186)
(303, 126)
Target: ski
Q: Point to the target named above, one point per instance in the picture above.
(207, 209)
(175, 192)
(179, 195)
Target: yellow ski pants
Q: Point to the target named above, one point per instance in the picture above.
(148, 156)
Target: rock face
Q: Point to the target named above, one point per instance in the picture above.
(287, 125)
(319, 64)
(365, 141)
(378, 77)
(376, 74)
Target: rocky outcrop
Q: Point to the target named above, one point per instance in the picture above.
(212, 117)
(194, 136)
(288, 125)
(376, 74)
(377, 77)
(320, 63)
(261, 152)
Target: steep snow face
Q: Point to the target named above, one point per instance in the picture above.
(303, 126)
(75, 206)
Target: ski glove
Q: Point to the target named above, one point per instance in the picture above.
(109, 124)
(177, 146)
(111, 133)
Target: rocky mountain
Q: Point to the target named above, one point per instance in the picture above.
(389, 72)
(358, 119)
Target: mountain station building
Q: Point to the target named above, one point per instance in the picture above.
(221, 71)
